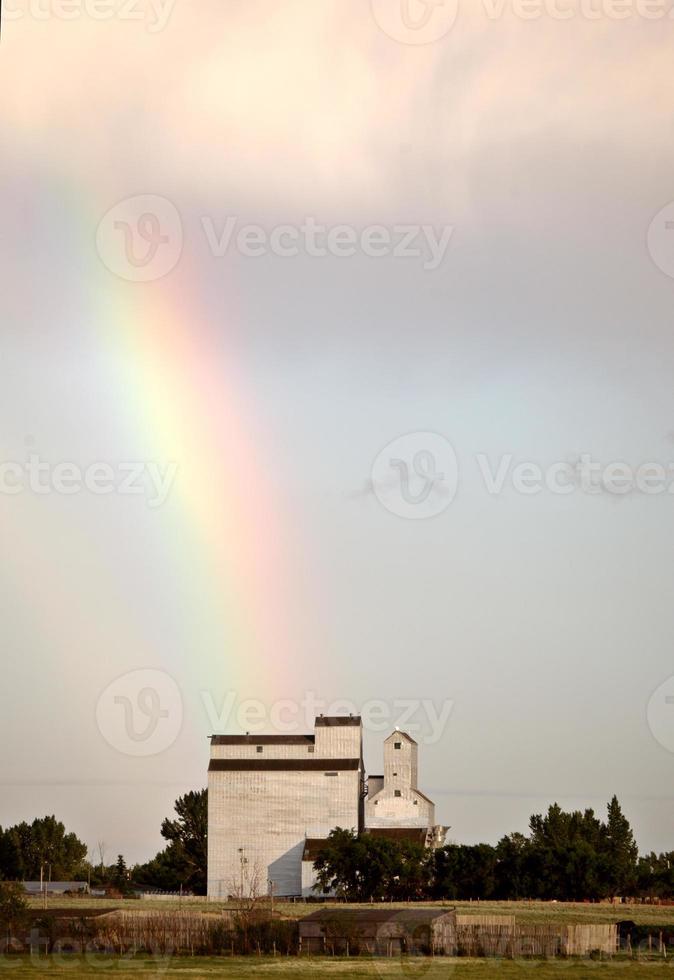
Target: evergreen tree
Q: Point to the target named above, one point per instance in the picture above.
(621, 852)
(121, 874)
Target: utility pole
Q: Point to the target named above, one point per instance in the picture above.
(43, 883)
(242, 860)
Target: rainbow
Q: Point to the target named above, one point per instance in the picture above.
(171, 383)
(186, 401)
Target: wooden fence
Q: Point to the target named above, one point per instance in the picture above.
(477, 939)
(177, 932)
(195, 932)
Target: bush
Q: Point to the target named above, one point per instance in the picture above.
(13, 903)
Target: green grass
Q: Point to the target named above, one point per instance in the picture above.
(573, 912)
(266, 968)
(534, 912)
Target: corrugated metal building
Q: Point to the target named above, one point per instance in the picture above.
(267, 794)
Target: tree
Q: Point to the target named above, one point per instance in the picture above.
(10, 857)
(464, 872)
(655, 875)
(337, 864)
(44, 846)
(360, 868)
(13, 904)
(513, 867)
(121, 874)
(576, 856)
(565, 851)
(621, 852)
(412, 872)
(183, 862)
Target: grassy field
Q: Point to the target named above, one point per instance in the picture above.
(255, 968)
(568, 912)
(534, 912)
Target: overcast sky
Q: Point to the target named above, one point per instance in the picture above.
(498, 290)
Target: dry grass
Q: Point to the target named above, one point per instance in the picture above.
(254, 968)
(533, 912)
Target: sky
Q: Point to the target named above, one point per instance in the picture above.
(327, 327)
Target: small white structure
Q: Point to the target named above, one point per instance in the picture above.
(394, 800)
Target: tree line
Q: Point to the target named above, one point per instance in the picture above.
(568, 856)
(44, 849)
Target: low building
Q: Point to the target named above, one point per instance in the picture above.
(384, 932)
(55, 887)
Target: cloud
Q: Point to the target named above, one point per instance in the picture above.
(307, 100)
